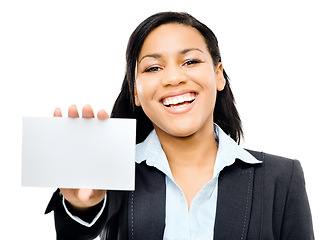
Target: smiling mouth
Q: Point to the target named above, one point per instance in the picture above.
(180, 100)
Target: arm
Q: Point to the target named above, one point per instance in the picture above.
(84, 204)
(87, 217)
(67, 228)
(297, 221)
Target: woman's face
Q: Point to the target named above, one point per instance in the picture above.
(176, 80)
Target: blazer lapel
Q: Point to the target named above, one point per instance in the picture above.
(147, 204)
(234, 201)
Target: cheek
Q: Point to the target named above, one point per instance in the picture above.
(204, 77)
(145, 90)
(145, 96)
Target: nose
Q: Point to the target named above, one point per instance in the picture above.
(173, 76)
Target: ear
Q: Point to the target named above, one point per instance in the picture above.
(136, 98)
(220, 80)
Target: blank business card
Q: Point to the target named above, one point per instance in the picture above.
(78, 153)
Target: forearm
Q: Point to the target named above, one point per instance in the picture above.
(67, 227)
(86, 217)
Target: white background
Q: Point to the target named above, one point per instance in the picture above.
(277, 54)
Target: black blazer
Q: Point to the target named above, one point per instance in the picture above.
(259, 201)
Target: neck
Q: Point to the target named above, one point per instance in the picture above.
(191, 159)
(195, 151)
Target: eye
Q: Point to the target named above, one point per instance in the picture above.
(152, 69)
(191, 62)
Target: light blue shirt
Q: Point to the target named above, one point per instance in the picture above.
(198, 222)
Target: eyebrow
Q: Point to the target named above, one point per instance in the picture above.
(182, 52)
(155, 55)
(189, 50)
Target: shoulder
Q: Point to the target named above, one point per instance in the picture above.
(278, 169)
(280, 184)
(273, 162)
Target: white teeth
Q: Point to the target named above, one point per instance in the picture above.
(179, 106)
(178, 99)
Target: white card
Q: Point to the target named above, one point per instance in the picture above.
(78, 153)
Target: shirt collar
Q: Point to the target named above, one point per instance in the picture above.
(228, 151)
(150, 150)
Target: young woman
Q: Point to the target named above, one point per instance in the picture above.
(193, 181)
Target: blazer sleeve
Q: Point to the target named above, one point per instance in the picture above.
(297, 220)
(67, 228)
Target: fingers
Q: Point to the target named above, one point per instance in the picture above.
(72, 111)
(102, 114)
(83, 198)
(84, 194)
(57, 113)
(87, 111)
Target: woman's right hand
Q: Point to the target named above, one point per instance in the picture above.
(82, 198)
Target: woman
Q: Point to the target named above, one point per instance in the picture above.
(192, 179)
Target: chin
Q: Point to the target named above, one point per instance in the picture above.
(179, 131)
(183, 134)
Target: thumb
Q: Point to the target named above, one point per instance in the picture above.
(84, 194)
